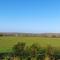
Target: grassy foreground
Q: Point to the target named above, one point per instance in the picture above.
(6, 43)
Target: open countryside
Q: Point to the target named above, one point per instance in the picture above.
(6, 43)
(29, 29)
(31, 48)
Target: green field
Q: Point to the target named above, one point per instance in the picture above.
(6, 43)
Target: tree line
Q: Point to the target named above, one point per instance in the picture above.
(52, 35)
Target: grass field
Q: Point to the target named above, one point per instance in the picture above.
(6, 43)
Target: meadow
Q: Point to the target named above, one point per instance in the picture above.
(7, 42)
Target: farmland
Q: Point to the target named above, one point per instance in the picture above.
(7, 42)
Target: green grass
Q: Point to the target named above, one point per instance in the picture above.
(6, 43)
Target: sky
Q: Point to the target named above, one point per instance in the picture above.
(30, 16)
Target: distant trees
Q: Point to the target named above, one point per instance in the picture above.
(46, 35)
(1, 34)
(53, 36)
